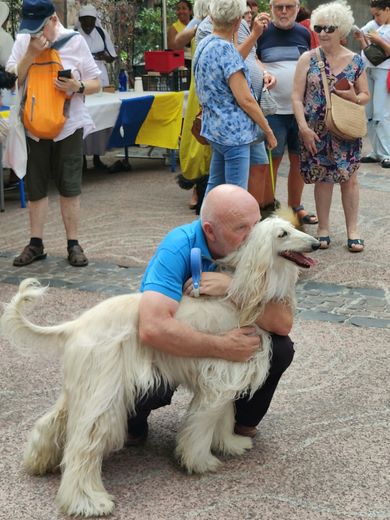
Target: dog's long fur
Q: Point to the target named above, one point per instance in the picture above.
(106, 370)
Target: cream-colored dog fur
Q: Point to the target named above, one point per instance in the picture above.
(106, 370)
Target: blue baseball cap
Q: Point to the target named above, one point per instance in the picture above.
(35, 14)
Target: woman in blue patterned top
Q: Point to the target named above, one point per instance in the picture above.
(231, 114)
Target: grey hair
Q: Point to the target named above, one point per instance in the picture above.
(225, 12)
(337, 13)
(201, 9)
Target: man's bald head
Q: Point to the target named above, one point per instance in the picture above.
(226, 199)
(228, 215)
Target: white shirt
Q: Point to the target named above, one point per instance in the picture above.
(384, 32)
(75, 55)
(96, 44)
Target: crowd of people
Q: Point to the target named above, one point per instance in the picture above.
(236, 53)
(235, 47)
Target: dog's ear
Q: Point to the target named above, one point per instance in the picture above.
(249, 286)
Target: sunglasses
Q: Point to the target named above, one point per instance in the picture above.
(281, 7)
(328, 29)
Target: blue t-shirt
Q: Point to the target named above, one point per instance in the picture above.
(170, 266)
(223, 120)
(279, 50)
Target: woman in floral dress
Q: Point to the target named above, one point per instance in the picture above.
(326, 159)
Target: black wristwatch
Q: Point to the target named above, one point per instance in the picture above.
(81, 89)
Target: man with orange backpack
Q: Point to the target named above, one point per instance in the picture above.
(57, 70)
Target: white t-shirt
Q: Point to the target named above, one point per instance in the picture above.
(384, 32)
(75, 55)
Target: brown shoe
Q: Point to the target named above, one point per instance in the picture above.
(245, 431)
(29, 255)
(76, 256)
(137, 431)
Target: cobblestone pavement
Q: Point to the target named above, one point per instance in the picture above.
(363, 307)
(321, 451)
(319, 300)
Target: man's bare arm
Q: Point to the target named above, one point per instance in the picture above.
(159, 329)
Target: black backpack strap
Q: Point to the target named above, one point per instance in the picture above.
(103, 37)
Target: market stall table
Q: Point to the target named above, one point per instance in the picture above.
(141, 118)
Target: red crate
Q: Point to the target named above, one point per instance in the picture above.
(163, 61)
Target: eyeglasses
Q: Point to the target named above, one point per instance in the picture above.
(281, 7)
(326, 28)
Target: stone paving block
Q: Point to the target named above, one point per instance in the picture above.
(321, 316)
(364, 321)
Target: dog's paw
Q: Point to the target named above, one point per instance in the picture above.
(98, 504)
(233, 445)
(208, 465)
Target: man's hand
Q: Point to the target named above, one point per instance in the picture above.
(269, 80)
(211, 284)
(67, 85)
(240, 344)
(37, 45)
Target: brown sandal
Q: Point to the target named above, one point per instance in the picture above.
(76, 256)
(29, 255)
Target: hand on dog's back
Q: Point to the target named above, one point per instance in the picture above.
(239, 344)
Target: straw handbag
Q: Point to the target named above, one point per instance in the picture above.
(345, 119)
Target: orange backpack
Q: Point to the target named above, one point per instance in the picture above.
(43, 104)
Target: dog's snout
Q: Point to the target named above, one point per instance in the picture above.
(315, 245)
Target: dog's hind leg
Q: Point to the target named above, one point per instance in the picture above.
(96, 427)
(46, 441)
(224, 439)
(195, 436)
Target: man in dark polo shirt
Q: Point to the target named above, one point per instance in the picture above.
(279, 48)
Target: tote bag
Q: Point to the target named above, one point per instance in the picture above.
(15, 147)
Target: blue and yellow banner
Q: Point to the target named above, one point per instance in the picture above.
(154, 120)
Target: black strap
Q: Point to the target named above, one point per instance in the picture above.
(103, 37)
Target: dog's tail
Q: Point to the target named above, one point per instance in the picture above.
(21, 332)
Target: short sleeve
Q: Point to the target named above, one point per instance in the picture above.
(167, 274)
(231, 62)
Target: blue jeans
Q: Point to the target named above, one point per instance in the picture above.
(229, 165)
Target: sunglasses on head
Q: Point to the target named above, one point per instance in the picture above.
(326, 28)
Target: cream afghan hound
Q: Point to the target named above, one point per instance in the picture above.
(106, 369)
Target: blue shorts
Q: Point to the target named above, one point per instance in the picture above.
(258, 154)
(285, 128)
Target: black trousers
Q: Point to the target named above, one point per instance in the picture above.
(248, 412)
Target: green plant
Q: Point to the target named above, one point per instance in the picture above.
(148, 31)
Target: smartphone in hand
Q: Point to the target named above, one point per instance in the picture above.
(342, 84)
(67, 73)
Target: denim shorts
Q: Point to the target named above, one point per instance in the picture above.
(285, 129)
(258, 154)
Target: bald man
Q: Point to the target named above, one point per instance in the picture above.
(227, 217)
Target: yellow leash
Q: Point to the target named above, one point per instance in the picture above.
(271, 170)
